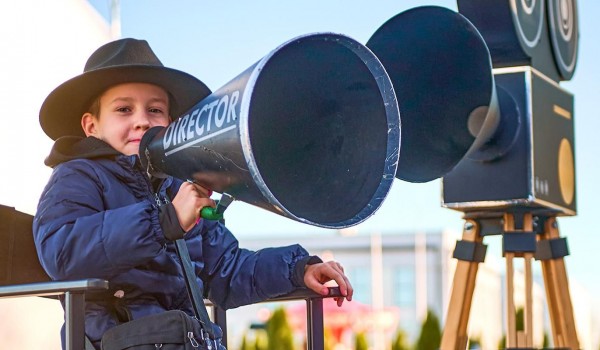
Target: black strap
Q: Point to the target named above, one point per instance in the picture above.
(194, 289)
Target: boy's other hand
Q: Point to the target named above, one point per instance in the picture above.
(317, 275)
(188, 202)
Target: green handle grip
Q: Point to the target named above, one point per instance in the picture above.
(210, 213)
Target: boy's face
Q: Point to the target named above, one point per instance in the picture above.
(126, 112)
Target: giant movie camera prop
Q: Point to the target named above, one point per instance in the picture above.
(523, 177)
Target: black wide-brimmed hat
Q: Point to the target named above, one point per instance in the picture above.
(121, 61)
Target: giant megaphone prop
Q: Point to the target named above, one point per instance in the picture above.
(310, 132)
(441, 70)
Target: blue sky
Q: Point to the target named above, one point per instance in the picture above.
(217, 40)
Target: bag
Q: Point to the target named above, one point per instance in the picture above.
(170, 330)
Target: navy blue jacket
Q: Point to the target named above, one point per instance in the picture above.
(98, 217)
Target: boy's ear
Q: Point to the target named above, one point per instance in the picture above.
(88, 124)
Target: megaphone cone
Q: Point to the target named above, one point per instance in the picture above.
(310, 132)
(441, 70)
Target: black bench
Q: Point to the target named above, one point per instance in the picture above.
(21, 275)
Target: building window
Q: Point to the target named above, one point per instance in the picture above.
(360, 278)
(404, 286)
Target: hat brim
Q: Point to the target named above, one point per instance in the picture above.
(61, 112)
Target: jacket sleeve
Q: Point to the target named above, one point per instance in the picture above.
(237, 276)
(77, 237)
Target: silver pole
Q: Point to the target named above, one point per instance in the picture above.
(115, 19)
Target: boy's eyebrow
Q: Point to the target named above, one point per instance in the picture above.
(118, 99)
(129, 99)
(159, 99)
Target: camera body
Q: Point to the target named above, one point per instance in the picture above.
(538, 171)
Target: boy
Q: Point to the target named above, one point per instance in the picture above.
(100, 216)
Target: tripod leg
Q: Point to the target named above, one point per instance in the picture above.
(455, 330)
(511, 319)
(515, 229)
(558, 295)
(528, 311)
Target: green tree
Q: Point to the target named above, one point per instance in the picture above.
(400, 341)
(520, 319)
(360, 342)
(431, 333)
(244, 345)
(474, 343)
(546, 343)
(261, 341)
(328, 341)
(502, 342)
(519, 323)
(279, 332)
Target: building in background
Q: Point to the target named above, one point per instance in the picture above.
(43, 44)
(411, 273)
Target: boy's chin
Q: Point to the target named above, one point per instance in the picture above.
(130, 151)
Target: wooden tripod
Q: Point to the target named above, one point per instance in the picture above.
(524, 236)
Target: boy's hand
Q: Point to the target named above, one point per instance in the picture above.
(188, 202)
(317, 275)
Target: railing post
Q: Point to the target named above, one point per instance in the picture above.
(74, 320)
(314, 324)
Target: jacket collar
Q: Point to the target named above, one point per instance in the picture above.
(74, 147)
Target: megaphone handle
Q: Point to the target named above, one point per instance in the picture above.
(210, 213)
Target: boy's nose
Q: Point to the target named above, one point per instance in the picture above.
(142, 121)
